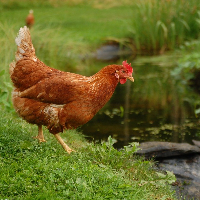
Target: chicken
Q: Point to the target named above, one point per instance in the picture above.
(56, 99)
(30, 19)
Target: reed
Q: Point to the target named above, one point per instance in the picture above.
(159, 25)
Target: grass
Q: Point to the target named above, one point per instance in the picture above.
(30, 170)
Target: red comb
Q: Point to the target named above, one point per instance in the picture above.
(128, 66)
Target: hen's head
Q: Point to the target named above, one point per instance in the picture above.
(125, 73)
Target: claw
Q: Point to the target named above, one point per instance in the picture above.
(40, 139)
(40, 135)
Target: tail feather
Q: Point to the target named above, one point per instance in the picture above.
(24, 45)
(12, 67)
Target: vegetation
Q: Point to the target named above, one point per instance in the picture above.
(164, 24)
(187, 73)
(30, 170)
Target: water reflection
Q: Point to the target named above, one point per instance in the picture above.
(153, 108)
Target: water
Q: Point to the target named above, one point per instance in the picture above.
(153, 108)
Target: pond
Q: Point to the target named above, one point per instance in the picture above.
(153, 108)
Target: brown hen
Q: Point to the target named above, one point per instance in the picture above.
(56, 99)
(30, 20)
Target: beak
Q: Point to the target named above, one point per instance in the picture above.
(130, 78)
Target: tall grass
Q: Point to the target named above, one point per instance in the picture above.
(6, 56)
(158, 25)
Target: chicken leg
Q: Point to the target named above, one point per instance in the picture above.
(40, 136)
(64, 145)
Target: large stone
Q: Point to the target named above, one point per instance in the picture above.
(196, 143)
(108, 52)
(186, 170)
(182, 159)
(166, 149)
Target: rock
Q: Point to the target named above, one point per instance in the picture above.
(166, 149)
(113, 51)
(108, 52)
(186, 170)
(196, 143)
(186, 167)
(182, 159)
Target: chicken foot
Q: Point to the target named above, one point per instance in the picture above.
(40, 135)
(64, 145)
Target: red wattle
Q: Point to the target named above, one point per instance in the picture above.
(122, 80)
